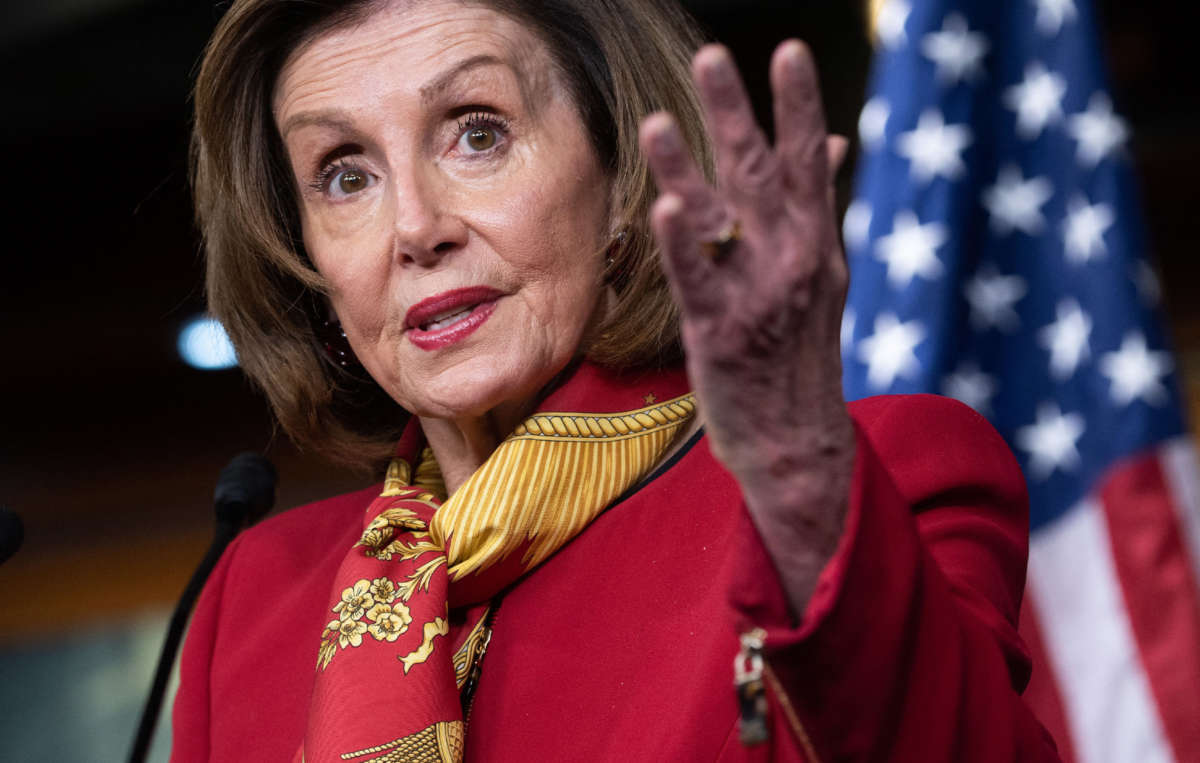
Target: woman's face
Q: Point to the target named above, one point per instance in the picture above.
(451, 197)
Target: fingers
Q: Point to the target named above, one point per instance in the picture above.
(746, 166)
(675, 171)
(689, 273)
(836, 148)
(800, 133)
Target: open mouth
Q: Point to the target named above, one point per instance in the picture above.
(448, 317)
(443, 321)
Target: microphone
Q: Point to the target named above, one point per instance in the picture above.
(245, 493)
(245, 490)
(12, 533)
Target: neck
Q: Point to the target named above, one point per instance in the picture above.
(462, 445)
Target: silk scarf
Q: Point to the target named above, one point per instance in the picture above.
(388, 677)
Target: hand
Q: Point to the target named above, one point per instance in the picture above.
(762, 321)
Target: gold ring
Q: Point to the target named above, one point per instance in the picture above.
(718, 248)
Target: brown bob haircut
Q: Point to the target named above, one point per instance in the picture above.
(620, 59)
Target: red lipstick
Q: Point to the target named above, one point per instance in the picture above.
(446, 318)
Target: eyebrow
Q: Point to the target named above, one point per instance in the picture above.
(439, 84)
(333, 118)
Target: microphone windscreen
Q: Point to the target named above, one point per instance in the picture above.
(245, 489)
(12, 533)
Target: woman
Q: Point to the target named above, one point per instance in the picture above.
(440, 208)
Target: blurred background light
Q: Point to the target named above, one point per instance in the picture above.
(204, 344)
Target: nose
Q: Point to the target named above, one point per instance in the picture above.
(427, 225)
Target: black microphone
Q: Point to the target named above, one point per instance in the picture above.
(245, 493)
(12, 533)
(245, 490)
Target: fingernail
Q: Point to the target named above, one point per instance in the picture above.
(722, 72)
(665, 142)
(719, 67)
(793, 53)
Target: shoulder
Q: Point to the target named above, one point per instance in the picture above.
(273, 579)
(304, 534)
(929, 440)
(926, 415)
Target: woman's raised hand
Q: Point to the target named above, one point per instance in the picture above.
(758, 271)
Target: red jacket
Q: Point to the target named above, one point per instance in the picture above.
(621, 646)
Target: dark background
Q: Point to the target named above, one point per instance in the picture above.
(111, 444)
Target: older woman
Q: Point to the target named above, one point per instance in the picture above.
(436, 245)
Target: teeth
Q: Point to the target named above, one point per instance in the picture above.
(443, 322)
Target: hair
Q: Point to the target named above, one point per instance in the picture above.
(620, 60)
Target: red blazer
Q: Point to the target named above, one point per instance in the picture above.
(621, 646)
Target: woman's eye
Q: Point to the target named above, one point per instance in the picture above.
(339, 181)
(480, 133)
(480, 138)
(350, 181)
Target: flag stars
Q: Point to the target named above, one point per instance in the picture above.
(1015, 203)
(972, 386)
(1067, 339)
(1098, 131)
(1052, 14)
(893, 17)
(888, 352)
(1037, 100)
(992, 298)
(1136, 372)
(934, 147)
(872, 122)
(911, 249)
(1051, 441)
(956, 51)
(1083, 230)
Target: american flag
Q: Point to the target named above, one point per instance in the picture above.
(997, 256)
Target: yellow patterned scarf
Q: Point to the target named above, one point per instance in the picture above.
(388, 681)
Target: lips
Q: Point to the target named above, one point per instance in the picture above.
(446, 318)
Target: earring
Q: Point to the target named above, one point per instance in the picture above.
(336, 345)
(617, 244)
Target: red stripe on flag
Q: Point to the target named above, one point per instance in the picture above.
(1042, 693)
(1160, 593)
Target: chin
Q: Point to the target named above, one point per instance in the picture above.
(480, 386)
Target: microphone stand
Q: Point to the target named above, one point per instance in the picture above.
(245, 493)
(145, 733)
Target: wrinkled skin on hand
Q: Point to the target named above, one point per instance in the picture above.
(761, 323)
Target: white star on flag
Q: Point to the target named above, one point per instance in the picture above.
(971, 386)
(1098, 130)
(1016, 203)
(889, 25)
(992, 297)
(872, 122)
(1051, 440)
(1067, 339)
(888, 352)
(934, 147)
(956, 51)
(1136, 372)
(1052, 13)
(1083, 230)
(911, 249)
(1037, 100)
